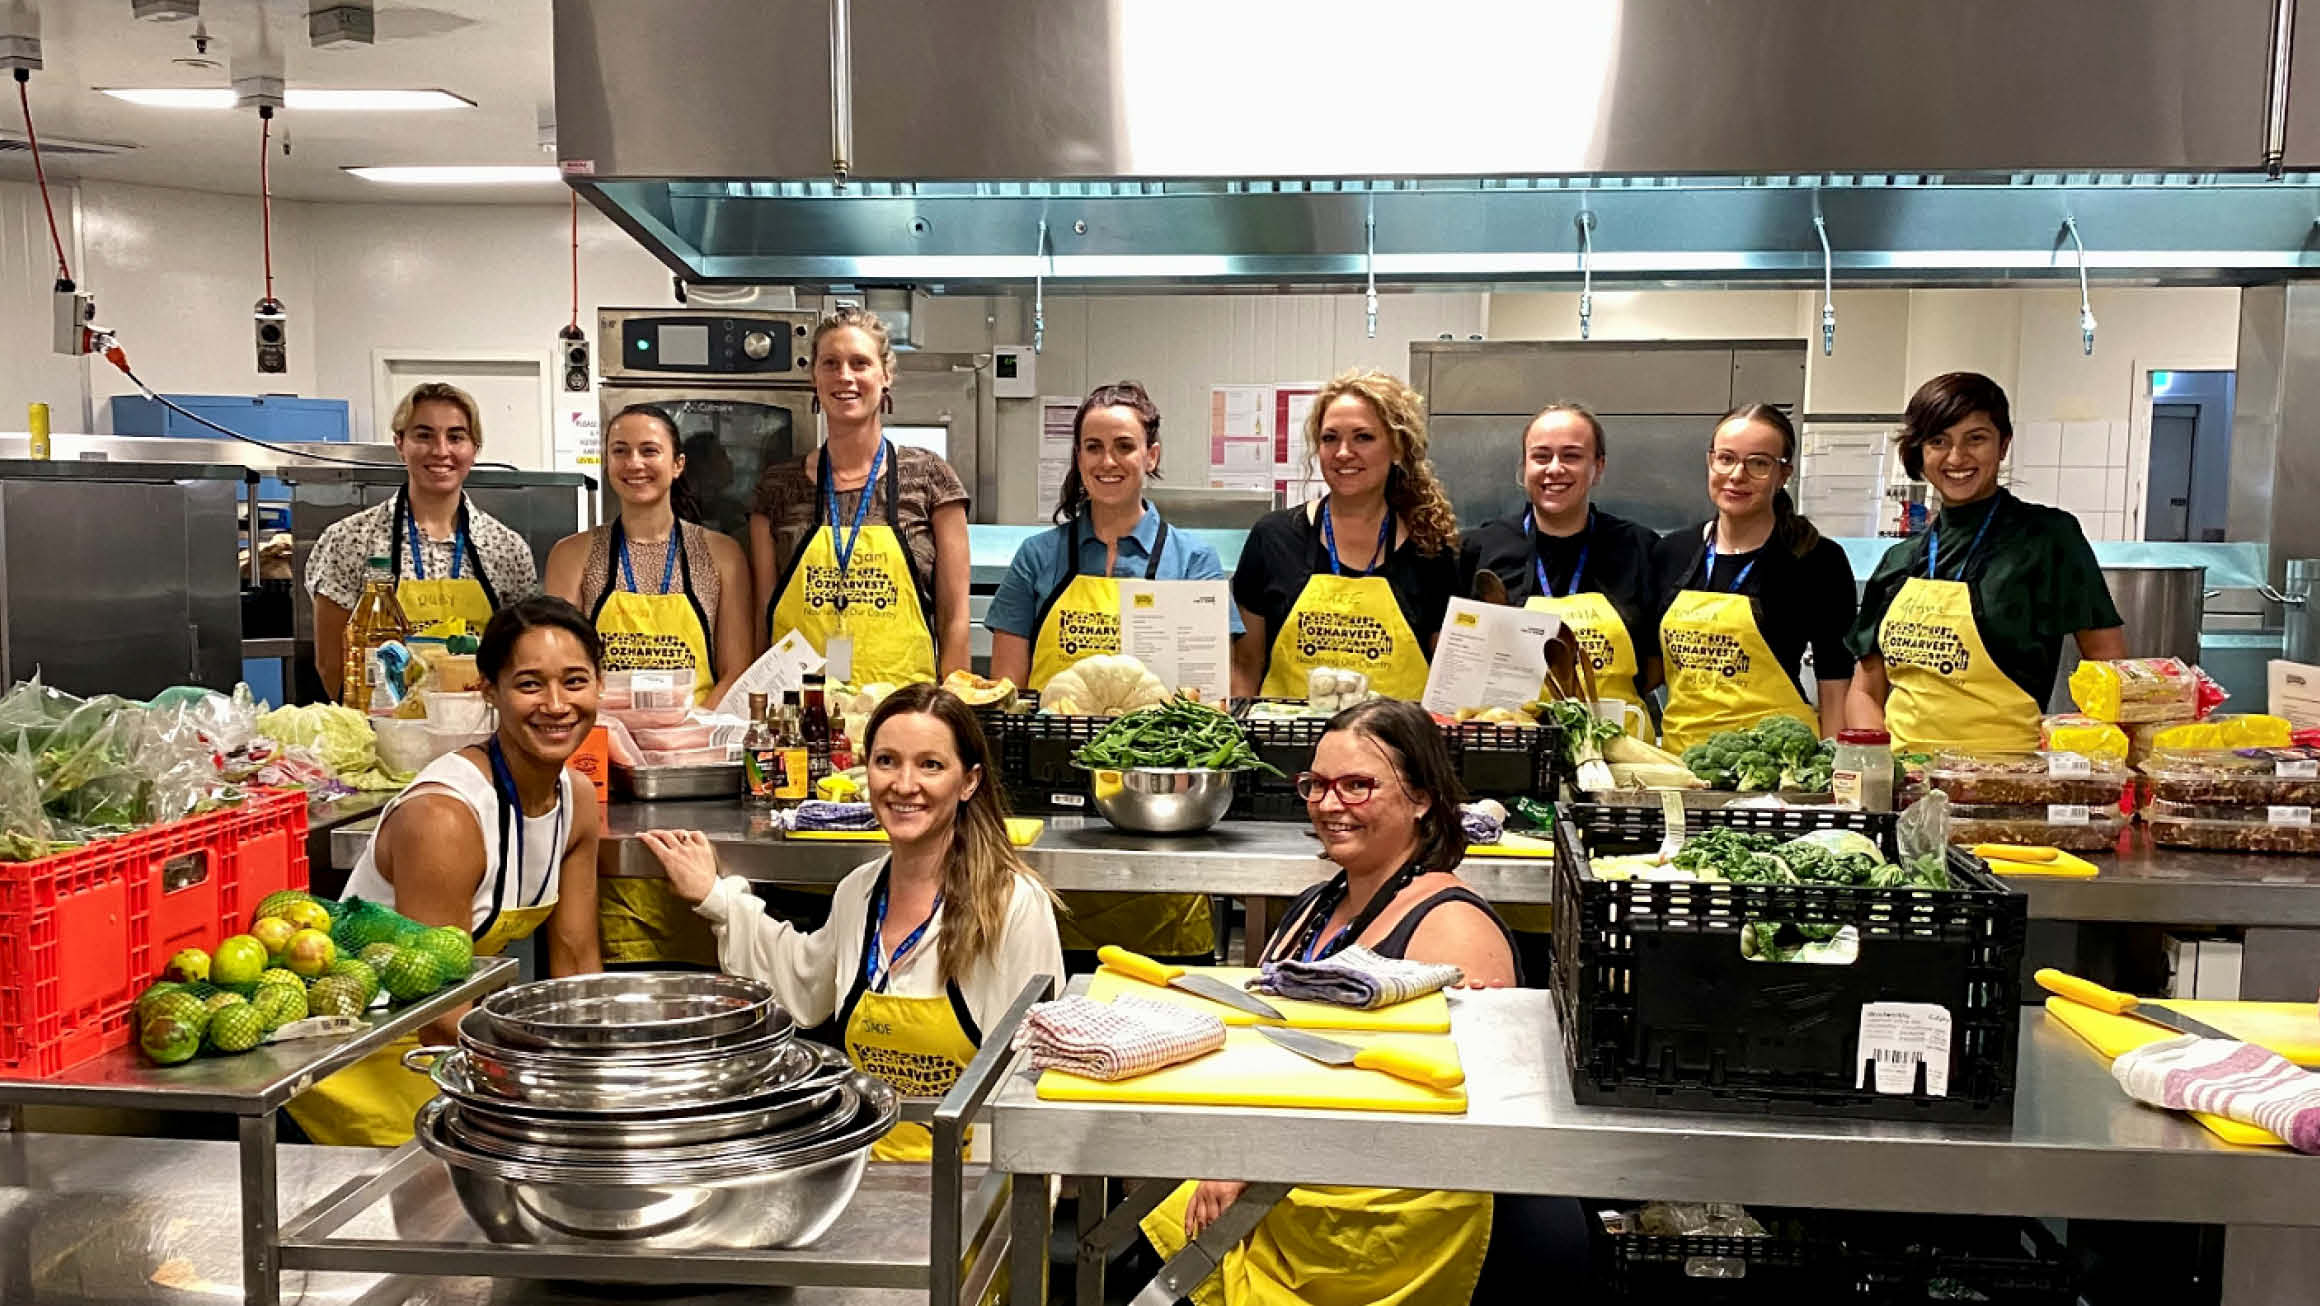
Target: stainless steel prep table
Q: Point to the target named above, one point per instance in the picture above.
(2078, 1147)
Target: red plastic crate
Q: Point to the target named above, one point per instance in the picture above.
(82, 933)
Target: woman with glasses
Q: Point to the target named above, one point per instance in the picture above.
(1746, 593)
(1384, 798)
(1563, 555)
(1961, 627)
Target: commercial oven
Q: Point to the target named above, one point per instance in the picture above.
(739, 384)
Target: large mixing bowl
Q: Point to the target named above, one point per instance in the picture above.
(1162, 800)
(593, 1083)
(805, 1070)
(782, 1200)
(631, 1011)
(479, 1031)
(826, 1115)
(488, 1119)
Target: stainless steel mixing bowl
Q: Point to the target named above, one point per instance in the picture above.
(829, 1114)
(780, 1200)
(808, 1068)
(492, 1119)
(600, 1083)
(1162, 800)
(629, 1010)
(479, 1031)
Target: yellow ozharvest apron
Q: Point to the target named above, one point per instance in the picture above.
(641, 920)
(1081, 619)
(1353, 623)
(424, 601)
(862, 586)
(1344, 1247)
(1721, 675)
(919, 1045)
(373, 1102)
(1947, 692)
(1594, 620)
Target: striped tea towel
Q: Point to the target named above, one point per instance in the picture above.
(1356, 977)
(1116, 1040)
(2238, 1081)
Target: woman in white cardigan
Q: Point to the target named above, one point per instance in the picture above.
(925, 946)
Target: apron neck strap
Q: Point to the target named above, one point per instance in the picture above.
(511, 812)
(1539, 564)
(1708, 569)
(406, 525)
(1933, 544)
(669, 562)
(1309, 945)
(878, 972)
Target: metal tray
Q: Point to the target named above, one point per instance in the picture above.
(654, 784)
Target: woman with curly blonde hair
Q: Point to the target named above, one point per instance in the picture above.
(1358, 579)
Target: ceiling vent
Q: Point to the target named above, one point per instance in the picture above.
(12, 142)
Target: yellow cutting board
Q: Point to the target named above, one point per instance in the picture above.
(2063, 867)
(1021, 831)
(1515, 845)
(2291, 1029)
(1427, 1015)
(1252, 1070)
(2112, 1035)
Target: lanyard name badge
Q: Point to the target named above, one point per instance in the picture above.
(1708, 575)
(1933, 548)
(878, 972)
(838, 658)
(1384, 544)
(503, 783)
(418, 549)
(668, 564)
(1579, 572)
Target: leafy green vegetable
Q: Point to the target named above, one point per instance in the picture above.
(1724, 854)
(1177, 733)
(1779, 752)
(339, 736)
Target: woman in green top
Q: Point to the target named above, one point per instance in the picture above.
(1961, 627)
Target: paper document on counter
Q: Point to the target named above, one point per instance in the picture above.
(1489, 656)
(2294, 692)
(1180, 630)
(782, 668)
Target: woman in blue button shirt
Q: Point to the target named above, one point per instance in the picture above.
(1060, 602)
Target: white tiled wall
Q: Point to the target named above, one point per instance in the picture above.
(2080, 467)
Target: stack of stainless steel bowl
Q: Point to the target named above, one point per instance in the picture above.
(651, 1109)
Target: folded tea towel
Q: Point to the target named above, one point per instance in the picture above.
(2239, 1081)
(1116, 1040)
(1356, 977)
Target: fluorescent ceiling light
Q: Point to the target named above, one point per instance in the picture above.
(485, 174)
(323, 98)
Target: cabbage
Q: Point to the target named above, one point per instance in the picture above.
(1844, 843)
(339, 736)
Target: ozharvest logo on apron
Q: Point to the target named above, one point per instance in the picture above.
(664, 630)
(853, 588)
(1945, 691)
(1709, 652)
(1721, 673)
(1349, 622)
(1080, 617)
(1349, 634)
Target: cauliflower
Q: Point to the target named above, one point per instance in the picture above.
(1107, 684)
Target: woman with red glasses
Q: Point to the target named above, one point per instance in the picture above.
(1384, 800)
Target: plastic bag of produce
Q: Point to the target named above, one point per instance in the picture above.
(2144, 689)
(25, 833)
(2224, 730)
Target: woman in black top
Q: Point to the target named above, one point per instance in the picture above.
(1745, 594)
(1563, 555)
(1358, 580)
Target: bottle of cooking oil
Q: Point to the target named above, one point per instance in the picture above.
(376, 620)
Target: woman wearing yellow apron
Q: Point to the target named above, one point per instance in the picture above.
(1747, 593)
(1357, 580)
(1384, 801)
(883, 596)
(1961, 628)
(665, 593)
(925, 947)
(498, 840)
(1060, 603)
(451, 559)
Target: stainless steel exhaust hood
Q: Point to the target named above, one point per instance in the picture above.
(1317, 143)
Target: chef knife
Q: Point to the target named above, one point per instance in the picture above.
(2090, 994)
(1385, 1059)
(1137, 966)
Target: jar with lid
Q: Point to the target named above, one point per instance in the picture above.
(1862, 776)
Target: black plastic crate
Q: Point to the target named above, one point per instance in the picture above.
(1506, 761)
(1659, 1009)
(1790, 1265)
(1843, 1256)
(1287, 743)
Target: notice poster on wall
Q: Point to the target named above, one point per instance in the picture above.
(1055, 447)
(1295, 477)
(1240, 437)
(578, 445)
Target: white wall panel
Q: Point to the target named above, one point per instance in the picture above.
(30, 371)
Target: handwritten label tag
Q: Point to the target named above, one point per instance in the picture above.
(1898, 1037)
(2278, 815)
(2068, 766)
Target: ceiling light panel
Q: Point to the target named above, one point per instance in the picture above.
(316, 98)
(462, 175)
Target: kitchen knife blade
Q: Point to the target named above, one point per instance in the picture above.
(1385, 1059)
(2088, 993)
(1136, 965)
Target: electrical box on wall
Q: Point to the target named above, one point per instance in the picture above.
(1013, 372)
(572, 343)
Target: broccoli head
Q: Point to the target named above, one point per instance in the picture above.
(1757, 770)
(1786, 738)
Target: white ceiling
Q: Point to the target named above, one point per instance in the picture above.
(494, 52)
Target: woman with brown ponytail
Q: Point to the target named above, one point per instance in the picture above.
(1743, 595)
(1359, 579)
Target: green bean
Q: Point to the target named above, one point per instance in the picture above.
(1177, 733)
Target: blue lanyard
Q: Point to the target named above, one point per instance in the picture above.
(1384, 545)
(1933, 547)
(1708, 577)
(668, 564)
(841, 539)
(419, 550)
(875, 972)
(1539, 564)
(503, 781)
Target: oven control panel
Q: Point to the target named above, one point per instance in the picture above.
(703, 344)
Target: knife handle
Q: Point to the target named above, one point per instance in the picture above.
(2085, 992)
(1410, 1066)
(1136, 965)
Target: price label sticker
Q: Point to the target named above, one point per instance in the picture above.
(2297, 768)
(2068, 814)
(645, 681)
(1897, 1039)
(2068, 766)
(2278, 815)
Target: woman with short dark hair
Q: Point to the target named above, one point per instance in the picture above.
(1383, 796)
(1961, 627)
